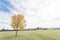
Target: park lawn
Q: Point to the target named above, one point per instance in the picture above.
(31, 35)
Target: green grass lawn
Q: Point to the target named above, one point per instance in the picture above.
(31, 35)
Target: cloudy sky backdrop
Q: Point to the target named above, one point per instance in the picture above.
(38, 13)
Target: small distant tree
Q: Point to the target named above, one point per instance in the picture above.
(38, 28)
(18, 21)
(3, 29)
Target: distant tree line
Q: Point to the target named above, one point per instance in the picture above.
(38, 28)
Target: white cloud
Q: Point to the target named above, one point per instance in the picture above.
(47, 11)
(5, 20)
(38, 13)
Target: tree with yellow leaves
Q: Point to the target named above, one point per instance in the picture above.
(18, 21)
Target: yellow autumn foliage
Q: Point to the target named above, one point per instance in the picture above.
(18, 21)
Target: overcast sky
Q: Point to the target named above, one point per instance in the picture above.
(38, 13)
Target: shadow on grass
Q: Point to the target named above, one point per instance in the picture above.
(16, 38)
(42, 37)
(7, 38)
(19, 37)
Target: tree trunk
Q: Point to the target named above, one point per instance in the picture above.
(16, 32)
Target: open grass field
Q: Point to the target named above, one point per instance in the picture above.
(31, 35)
